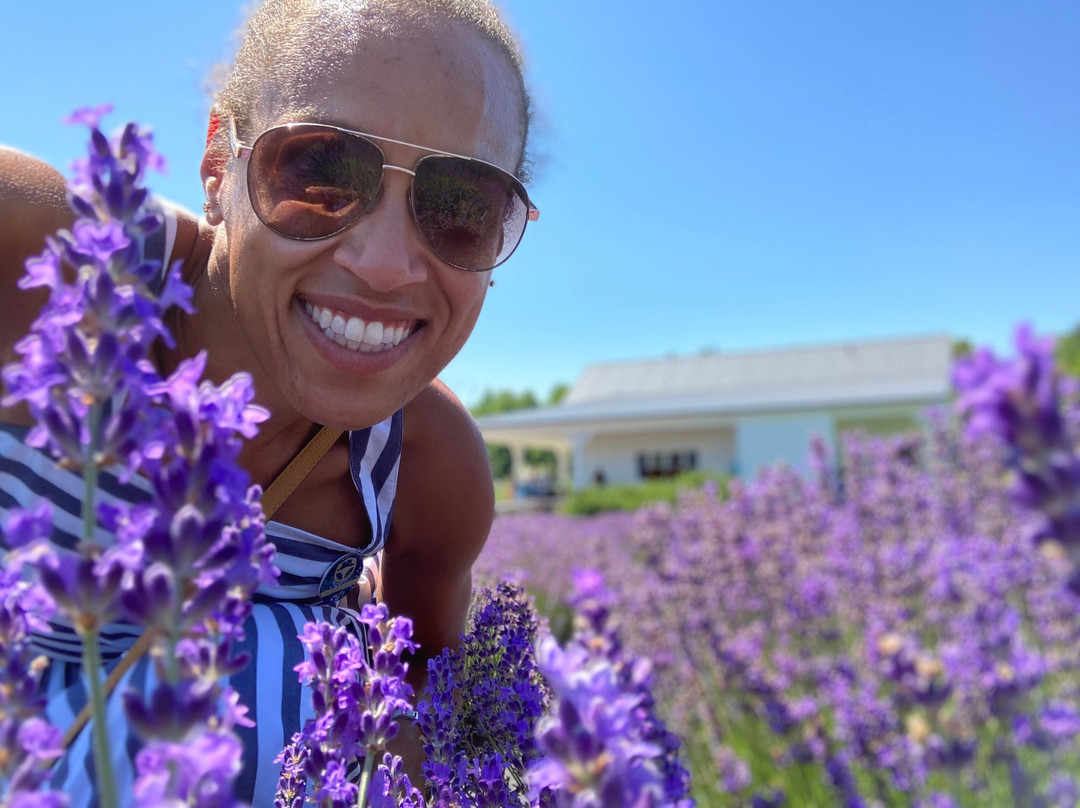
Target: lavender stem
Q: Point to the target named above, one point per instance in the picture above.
(90, 474)
(99, 736)
(91, 652)
(365, 779)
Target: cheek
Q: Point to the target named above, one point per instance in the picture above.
(471, 296)
(466, 301)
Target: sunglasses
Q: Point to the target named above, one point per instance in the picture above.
(310, 181)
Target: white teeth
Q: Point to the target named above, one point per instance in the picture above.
(373, 333)
(354, 333)
(354, 329)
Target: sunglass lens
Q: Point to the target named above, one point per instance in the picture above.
(472, 214)
(308, 181)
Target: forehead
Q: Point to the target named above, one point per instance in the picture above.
(443, 86)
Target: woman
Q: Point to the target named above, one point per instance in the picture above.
(343, 297)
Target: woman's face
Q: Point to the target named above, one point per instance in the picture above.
(446, 89)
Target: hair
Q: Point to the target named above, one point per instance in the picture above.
(282, 38)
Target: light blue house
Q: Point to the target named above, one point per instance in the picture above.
(623, 422)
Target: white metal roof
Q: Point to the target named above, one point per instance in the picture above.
(854, 366)
(879, 372)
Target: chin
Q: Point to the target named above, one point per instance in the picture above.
(356, 410)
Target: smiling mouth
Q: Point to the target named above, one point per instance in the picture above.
(358, 335)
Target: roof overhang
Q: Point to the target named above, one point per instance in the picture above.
(555, 425)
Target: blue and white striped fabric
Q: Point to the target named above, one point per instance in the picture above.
(268, 686)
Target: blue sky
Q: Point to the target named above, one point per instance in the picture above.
(712, 175)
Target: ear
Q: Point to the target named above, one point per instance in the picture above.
(212, 168)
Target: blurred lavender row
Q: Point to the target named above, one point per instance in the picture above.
(893, 629)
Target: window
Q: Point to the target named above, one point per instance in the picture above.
(652, 465)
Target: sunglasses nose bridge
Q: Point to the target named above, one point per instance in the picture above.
(409, 171)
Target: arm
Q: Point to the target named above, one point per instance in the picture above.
(443, 511)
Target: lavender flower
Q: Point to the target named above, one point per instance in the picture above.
(1063, 791)
(197, 771)
(391, 787)
(292, 784)
(83, 373)
(356, 699)
(1019, 402)
(483, 700)
(184, 564)
(601, 743)
(30, 744)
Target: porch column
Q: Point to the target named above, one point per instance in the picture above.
(517, 464)
(578, 442)
(563, 465)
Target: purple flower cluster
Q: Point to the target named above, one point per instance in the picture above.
(357, 699)
(877, 632)
(182, 565)
(602, 743)
(29, 743)
(482, 721)
(483, 700)
(83, 368)
(1019, 402)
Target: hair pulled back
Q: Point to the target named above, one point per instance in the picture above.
(283, 39)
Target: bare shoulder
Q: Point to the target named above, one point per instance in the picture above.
(445, 478)
(33, 205)
(443, 511)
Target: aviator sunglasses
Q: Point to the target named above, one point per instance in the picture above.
(310, 181)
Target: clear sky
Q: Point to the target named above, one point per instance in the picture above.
(711, 175)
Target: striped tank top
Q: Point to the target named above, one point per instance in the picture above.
(268, 686)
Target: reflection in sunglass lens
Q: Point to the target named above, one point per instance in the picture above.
(471, 214)
(312, 181)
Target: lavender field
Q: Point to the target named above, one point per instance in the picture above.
(894, 628)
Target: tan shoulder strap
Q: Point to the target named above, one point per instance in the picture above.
(299, 467)
(280, 489)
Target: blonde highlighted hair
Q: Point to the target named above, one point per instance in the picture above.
(283, 38)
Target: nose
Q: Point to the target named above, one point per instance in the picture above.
(383, 248)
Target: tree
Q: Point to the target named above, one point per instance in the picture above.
(962, 348)
(1067, 352)
(557, 394)
(496, 401)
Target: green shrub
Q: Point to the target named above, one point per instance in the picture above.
(600, 498)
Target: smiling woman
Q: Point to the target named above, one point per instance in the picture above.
(342, 266)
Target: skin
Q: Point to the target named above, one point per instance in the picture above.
(445, 87)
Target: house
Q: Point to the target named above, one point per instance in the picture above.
(623, 422)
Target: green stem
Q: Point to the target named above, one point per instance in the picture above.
(90, 475)
(103, 768)
(92, 664)
(365, 777)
